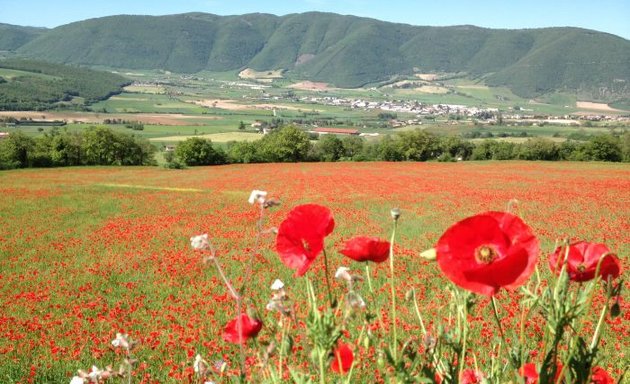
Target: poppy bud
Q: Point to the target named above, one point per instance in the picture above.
(395, 212)
(615, 310)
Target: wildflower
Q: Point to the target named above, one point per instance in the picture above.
(249, 328)
(200, 242)
(301, 236)
(121, 341)
(362, 248)
(200, 366)
(600, 376)
(277, 285)
(77, 380)
(257, 196)
(342, 359)
(470, 376)
(395, 212)
(582, 261)
(489, 251)
(354, 300)
(343, 273)
(529, 373)
(95, 374)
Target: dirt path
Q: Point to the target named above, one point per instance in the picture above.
(98, 118)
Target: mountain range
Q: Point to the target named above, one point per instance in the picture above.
(345, 51)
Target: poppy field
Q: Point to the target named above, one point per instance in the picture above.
(104, 267)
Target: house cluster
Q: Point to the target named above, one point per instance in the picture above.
(403, 106)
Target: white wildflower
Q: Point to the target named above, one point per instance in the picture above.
(257, 196)
(343, 274)
(200, 242)
(121, 341)
(95, 374)
(277, 285)
(77, 380)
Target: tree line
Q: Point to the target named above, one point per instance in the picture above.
(291, 144)
(103, 146)
(59, 148)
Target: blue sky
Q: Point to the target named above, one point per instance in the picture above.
(610, 16)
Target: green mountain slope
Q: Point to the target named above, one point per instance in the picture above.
(346, 51)
(12, 36)
(36, 85)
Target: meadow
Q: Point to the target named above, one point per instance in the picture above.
(86, 253)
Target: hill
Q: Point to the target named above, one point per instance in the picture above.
(35, 85)
(12, 36)
(346, 51)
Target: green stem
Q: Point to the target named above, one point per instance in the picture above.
(367, 275)
(393, 290)
(496, 317)
(322, 368)
(415, 305)
(463, 323)
(284, 334)
(330, 296)
(259, 231)
(598, 329)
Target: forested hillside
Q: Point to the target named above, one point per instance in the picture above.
(346, 51)
(12, 36)
(35, 85)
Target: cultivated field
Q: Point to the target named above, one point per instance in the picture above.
(89, 252)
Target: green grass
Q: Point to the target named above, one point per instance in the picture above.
(147, 103)
(13, 73)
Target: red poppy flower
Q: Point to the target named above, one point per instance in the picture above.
(488, 251)
(301, 236)
(362, 248)
(471, 377)
(600, 376)
(249, 328)
(582, 261)
(529, 372)
(342, 359)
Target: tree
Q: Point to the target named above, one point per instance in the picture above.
(603, 148)
(455, 148)
(98, 145)
(288, 144)
(198, 151)
(243, 152)
(417, 145)
(15, 151)
(241, 126)
(67, 149)
(352, 146)
(329, 148)
(539, 148)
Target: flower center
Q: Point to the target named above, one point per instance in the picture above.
(581, 268)
(486, 254)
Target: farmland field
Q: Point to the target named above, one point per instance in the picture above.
(89, 252)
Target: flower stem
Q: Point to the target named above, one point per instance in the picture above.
(415, 305)
(393, 290)
(250, 264)
(496, 318)
(367, 276)
(239, 309)
(330, 296)
(322, 368)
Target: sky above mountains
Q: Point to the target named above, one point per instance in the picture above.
(603, 15)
